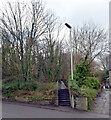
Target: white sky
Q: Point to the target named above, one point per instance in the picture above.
(77, 12)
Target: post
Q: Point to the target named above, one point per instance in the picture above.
(110, 78)
(71, 49)
(71, 95)
(72, 101)
(57, 85)
(110, 43)
(71, 55)
(57, 99)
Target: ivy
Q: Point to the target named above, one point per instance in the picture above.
(83, 83)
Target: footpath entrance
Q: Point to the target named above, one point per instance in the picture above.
(101, 104)
(63, 95)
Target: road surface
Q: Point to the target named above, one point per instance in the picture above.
(21, 111)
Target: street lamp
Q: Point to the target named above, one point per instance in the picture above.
(72, 97)
(71, 50)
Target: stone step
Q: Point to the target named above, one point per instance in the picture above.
(64, 98)
(64, 103)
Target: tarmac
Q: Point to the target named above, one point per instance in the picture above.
(20, 111)
(101, 103)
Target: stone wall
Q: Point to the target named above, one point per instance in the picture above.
(82, 103)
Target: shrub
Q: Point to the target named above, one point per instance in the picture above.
(83, 84)
(18, 84)
(74, 85)
(82, 76)
(81, 73)
(83, 70)
(9, 87)
(29, 85)
(106, 75)
(92, 82)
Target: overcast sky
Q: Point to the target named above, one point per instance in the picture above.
(77, 12)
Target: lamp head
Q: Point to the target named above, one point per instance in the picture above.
(68, 25)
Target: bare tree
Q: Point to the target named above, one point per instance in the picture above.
(24, 24)
(32, 35)
(89, 41)
(104, 61)
(52, 53)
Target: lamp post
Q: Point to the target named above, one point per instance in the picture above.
(110, 43)
(71, 50)
(72, 97)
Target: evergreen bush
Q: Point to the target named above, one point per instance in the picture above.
(92, 82)
(18, 84)
(83, 83)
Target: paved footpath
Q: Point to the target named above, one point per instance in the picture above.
(101, 104)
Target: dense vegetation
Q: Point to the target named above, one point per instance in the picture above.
(32, 49)
(84, 84)
(44, 91)
(35, 50)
